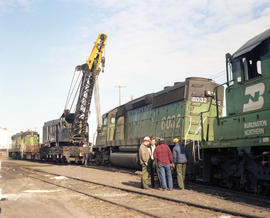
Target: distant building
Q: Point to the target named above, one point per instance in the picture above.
(4, 138)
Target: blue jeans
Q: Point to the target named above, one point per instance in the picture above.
(165, 171)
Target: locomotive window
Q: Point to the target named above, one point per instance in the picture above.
(245, 69)
(112, 119)
(259, 67)
(236, 68)
(230, 72)
(252, 62)
(251, 68)
(48, 132)
(105, 120)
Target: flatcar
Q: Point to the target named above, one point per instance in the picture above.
(25, 145)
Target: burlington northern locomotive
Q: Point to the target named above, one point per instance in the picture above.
(239, 155)
(172, 112)
(25, 145)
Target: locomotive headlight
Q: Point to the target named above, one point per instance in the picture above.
(209, 93)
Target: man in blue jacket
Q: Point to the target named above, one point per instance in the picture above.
(180, 161)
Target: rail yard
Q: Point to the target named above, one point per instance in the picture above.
(225, 148)
(73, 190)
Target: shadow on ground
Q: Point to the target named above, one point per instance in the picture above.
(231, 195)
(132, 184)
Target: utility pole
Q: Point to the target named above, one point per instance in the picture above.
(119, 92)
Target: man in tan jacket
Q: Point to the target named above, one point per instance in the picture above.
(145, 157)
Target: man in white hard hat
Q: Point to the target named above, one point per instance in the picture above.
(154, 167)
(144, 154)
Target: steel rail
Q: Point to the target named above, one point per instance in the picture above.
(87, 194)
(236, 194)
(239, 194)
(210, 208)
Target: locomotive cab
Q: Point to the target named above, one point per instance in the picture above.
(239, 156)
(248, 73)
(247, 95)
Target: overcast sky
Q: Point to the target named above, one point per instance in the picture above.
(151, 44)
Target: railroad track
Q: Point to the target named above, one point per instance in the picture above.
(126, 198)
(243, 198)
(235, 196)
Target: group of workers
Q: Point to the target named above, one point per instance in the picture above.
(156, 158)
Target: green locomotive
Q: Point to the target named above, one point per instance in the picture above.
(172, 112)
(239, 155)
(25, 145)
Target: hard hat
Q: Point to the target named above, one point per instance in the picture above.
(175, 140)
(146, 138)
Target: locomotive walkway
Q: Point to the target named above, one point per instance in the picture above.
(128, 184)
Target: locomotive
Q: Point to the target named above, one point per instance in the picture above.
(173, 112)
(239, 154)
(25, 145)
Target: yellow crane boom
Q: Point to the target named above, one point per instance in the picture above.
(90, 72)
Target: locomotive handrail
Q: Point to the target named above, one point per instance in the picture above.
(198, 141)
(210, 104)
(190, 119)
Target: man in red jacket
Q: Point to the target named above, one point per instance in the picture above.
(163, 156)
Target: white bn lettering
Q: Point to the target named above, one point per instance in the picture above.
(251, 91)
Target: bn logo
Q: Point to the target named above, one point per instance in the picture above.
(256, 100)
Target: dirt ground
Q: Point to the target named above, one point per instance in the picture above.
(132, 182)
(26, 197)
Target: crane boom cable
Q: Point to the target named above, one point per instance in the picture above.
(76, 94)
(68, 96)
(97, 104)
(73, 88)
(221, 72)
